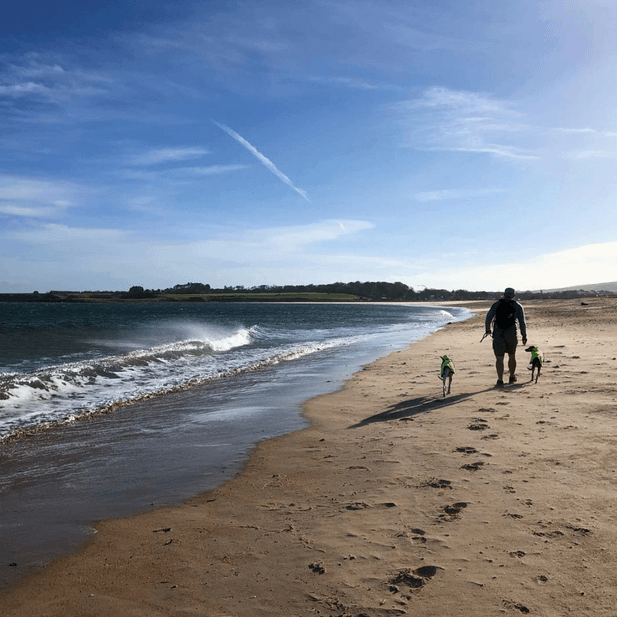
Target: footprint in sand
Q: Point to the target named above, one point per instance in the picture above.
(549, 534)
(419, 535)
(317, 567)
(453, 511)
(473, 466)
(361, 505)
(516, 605)
(455, 508)
(467, 450)
(434, 483)
(413, 579)
(582, 530)
(357, 505)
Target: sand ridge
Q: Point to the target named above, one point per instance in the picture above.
(396, 501)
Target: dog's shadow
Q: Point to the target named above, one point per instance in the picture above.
(415, 407)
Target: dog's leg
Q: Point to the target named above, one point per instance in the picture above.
(446, 377)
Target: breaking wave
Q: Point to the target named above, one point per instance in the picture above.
(64, 393)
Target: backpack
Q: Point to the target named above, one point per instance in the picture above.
(505, 314)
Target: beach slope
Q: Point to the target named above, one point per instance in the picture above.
(396, 501)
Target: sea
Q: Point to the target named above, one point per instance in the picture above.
(110, 409)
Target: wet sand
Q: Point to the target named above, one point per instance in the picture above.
(395, 501)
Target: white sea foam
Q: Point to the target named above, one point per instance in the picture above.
(237, 339)
(63, 393)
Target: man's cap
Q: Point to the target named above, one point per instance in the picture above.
(509, 292)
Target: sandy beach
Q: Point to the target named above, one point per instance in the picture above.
(396, 501)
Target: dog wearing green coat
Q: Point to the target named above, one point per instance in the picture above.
(446, 373)
(535, 364)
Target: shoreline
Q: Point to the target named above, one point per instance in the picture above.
(394, 500)
(57, 484)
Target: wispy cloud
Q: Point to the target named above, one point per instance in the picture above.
(68, 238)
(178, 173)
(165, 155)
(462, 121)
(10, 209)
(31, 197)
(582, 143)
(33, 77)
(470, 104)
(24, 89)
(262, 159)
(587, 130)
(211, 170)
(35, 69)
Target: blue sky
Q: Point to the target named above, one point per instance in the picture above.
(439, 143)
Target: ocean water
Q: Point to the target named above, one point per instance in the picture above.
(109, 409)
(63, 362)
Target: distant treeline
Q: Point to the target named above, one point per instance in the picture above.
(361, 290)
(358, 291)
(377, 291)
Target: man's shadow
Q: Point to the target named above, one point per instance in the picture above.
(414, 407)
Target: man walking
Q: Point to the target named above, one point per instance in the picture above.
(505, 313)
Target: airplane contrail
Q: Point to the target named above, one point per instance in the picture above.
(262, 159)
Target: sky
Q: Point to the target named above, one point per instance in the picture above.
(443, 144)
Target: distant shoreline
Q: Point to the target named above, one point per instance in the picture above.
(88, 297)
(273, 296)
